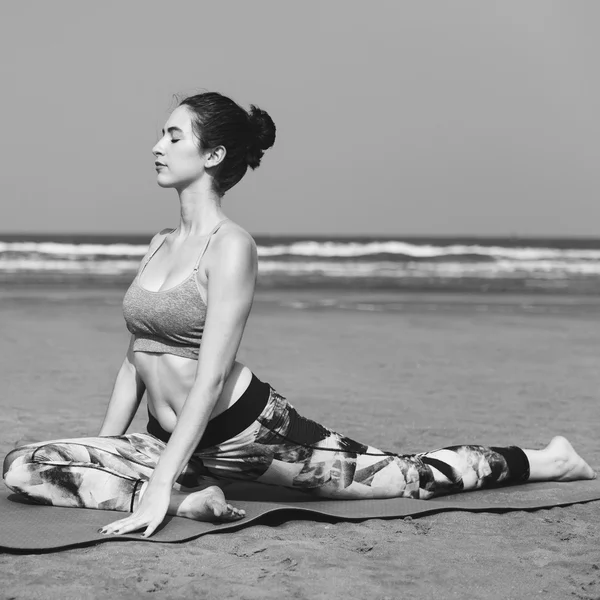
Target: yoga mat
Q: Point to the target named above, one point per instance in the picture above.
(26, 527)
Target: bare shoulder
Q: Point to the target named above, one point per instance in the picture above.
(158, 237)
(161, 234)
(233, 243)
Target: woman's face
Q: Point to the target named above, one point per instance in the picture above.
(179, 162)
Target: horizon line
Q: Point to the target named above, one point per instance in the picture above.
(510, 236)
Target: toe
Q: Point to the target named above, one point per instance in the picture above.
(233, 514)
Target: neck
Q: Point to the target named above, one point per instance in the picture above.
(200, 211)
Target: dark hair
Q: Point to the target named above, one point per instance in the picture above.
(219, 121)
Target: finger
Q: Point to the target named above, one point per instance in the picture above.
(150, 529)
(111, 527)
(134, 525)
(123, 526)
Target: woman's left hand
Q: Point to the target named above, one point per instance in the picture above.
(149, 513)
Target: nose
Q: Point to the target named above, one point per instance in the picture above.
(157, 150)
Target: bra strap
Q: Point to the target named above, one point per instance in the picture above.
(213, 231)
(166, 233)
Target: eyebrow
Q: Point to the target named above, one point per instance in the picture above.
(170, 129)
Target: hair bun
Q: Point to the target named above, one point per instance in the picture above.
(262, 132)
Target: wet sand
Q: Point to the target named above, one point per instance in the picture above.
(404, 381)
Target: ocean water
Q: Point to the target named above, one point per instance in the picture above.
(423, 264)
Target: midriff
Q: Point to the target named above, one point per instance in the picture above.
(169, 378)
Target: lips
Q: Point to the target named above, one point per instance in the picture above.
(159, 164)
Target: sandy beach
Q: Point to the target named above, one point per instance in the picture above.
(405, 381)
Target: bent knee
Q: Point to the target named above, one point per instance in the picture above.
(17, 456)
(17, 474)
(11, 477)
(23, 455)
(23, 469)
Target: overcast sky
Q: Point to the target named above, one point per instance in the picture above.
(393, 117)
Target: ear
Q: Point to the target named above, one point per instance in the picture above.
(215, 156)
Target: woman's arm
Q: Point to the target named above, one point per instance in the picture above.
(129, 387)
(231, 272)
(125, 398)
(231, 282)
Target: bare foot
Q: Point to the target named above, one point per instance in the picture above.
(573, 466)
(558, 461)
(208, 504)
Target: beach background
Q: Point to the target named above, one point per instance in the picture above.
(405, 363)
(429, 265)
(538, 266)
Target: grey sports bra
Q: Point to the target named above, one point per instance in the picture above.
(169, 321)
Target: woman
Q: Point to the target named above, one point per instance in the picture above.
(211, 421)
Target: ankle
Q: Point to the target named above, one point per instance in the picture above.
(545, 465)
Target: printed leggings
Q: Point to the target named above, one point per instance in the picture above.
(279, 448)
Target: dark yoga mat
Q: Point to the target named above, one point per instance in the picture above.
(31, 527)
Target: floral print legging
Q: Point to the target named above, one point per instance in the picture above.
(280, 448)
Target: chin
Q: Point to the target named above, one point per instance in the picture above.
(163, 182)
